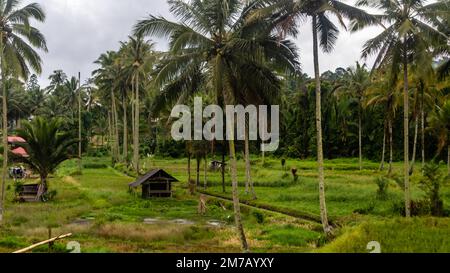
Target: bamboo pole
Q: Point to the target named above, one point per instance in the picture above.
(43, 243)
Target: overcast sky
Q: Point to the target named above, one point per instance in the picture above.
(78, 31)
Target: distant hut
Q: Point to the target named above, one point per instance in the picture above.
(156, 183)
(216, 165)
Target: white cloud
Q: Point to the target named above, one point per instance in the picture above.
(78, 31)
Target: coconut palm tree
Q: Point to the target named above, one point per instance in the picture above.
(408, 35)
(57, 79)
(47, 146)
(139, 57)
(440, 123)
(355, 84)
(325, 34)
(422, 82)
(18, 38)
(213, 46)
(105, 78)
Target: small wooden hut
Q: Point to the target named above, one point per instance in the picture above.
(156, 183)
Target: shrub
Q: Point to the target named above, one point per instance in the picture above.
(49, 196)
(431, 184)
(95, 166)
(383, 184)
(283, 164)
(399, 181)
(418, 207)
(294, 174)
(259, 216)
(18, 186)
(366, 210)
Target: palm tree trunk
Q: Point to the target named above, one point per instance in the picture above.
(125, 129)
(235, 193)
(323, 206)
(189, 168)
(222, 169)
(133, 116)
(249, 183)
(198, 171)
(406, 133)
(263, 152)
(110, 135)
(115, 128)
(205, 181)
(391, 146)
(79, 124)
(383, 153)
(416, 132)
(136, 127)
(5, 136)
(360, 135)
(422, 124)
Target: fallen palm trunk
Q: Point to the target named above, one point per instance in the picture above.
(43, 243)
(286, 211)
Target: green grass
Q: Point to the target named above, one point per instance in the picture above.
(416, 235)
(112, 219)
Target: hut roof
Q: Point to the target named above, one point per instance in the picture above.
(154, 175)
(16, 139)
(20, 152)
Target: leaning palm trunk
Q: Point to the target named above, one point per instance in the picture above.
(406, 134)
(5, 138)
(323, 206)
(249, 183)
(136, 127)
(235, 193)
(384, 149)
(416, 133)
(227, 92)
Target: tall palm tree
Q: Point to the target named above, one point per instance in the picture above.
(216, 44)
(139, 58)
(325, 34)
(408, 34)
(17, 55)
(355, 84)
(382, 93)
(105, 78)
(422, 82)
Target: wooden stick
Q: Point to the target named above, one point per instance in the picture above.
(43, 243)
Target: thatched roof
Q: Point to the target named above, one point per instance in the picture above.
(154, 175)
